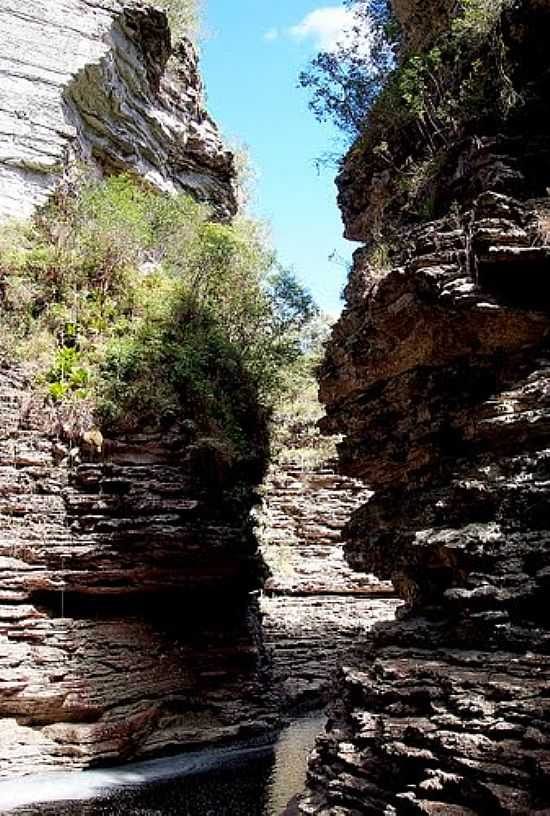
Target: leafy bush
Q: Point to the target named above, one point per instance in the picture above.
(464, 73)
(406, 111)
(344, 83)
(141, 304)
(296, 436)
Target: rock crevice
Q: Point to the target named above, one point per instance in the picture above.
(314, 606)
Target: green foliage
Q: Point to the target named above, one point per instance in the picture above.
(66, 375)
(463, 75)
(380, 259)
(296, 436)
(477, 20)
(407, 110)
(343, 84)
(143, 305)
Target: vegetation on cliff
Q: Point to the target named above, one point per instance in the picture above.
(404, 108)
(343, 83)
(295, 434)
(370, 82)
(139, 308)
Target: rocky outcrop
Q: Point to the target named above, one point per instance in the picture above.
(314, 606)
(422, 20)
(99, 81)
(438, 375)
(129, 624)
(127, 627)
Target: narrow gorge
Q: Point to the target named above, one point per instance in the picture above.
(179, 585)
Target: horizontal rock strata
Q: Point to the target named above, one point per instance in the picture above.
(100, 82)
(438, 377)
(314, 607)
(126, 624)
(443, 387)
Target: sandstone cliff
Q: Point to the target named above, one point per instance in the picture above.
(100, 82)
(438, 376)
(128, 566)
(126, 624)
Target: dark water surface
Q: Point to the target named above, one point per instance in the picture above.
(242, 782)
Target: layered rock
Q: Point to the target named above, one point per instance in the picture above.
(127, 627)
(314, 606)
(438, 375)
(129, 624)
(100, 82)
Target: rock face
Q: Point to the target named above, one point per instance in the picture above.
(126, 622)
(98, 81)
(314, 606)
(438, 375)
(129, 624)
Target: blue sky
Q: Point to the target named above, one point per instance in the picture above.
(251, 57)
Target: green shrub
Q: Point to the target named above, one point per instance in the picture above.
(362, 86)
(296, 436)
(141, 303)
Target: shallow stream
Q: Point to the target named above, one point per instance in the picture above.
(244, 781)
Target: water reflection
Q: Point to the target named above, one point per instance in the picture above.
(254, 782)
(288, 773)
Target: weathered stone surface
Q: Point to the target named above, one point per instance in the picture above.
(307, 638)
(380, 189)
(422, 19)
(126, 624)
(438, 376)
(94, 80)
(304, 512)
(439, 372)
(314, 606)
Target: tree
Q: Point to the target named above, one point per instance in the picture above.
(292, 305)
(344, 83)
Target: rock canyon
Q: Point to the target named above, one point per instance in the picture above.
(157, 592)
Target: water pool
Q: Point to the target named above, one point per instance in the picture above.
(244, 781)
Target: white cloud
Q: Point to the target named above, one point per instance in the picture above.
(326, 27)
(272, 34)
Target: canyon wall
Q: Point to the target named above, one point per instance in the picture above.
(129, 624)
(314, 606)
(98, 81)
(438, 376)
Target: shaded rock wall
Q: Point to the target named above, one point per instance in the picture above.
(421, 20)
(126, 622)
(438, 375)
(96, 82)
